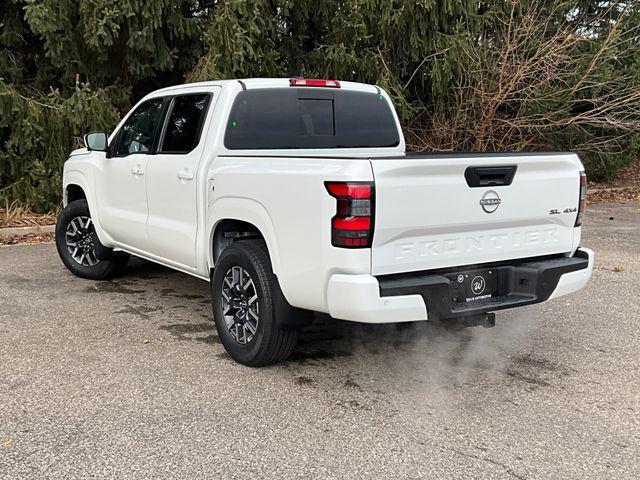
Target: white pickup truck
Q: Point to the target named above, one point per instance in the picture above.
(293, 196)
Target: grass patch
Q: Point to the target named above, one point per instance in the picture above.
(17, 215)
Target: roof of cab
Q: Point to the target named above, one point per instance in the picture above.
(251, 83)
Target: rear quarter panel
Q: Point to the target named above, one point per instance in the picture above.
(287, 200)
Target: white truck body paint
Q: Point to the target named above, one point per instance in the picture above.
(427, 217)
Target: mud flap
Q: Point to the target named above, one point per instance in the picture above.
(287, 316)
(102, 253)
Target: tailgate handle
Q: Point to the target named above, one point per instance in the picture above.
(490, 176)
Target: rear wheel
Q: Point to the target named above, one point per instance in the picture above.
(79, 247)
(242, 296)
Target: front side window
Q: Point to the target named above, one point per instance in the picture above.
(139, 129)
(185, 122)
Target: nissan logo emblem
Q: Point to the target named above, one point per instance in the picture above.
(490, 201)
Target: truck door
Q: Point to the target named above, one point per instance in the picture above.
(120, 180)
(172, 183)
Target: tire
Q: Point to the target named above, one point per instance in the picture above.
(252, 341)
(74, 228)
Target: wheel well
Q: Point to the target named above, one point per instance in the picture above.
(74, 192)
(228, 231)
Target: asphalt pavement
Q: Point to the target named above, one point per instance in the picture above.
(126, 379)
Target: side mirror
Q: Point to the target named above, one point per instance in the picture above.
(96, 141)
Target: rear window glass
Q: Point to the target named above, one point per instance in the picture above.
(309, 118)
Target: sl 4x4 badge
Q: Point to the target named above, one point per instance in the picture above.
(555, 211)
(490, 201)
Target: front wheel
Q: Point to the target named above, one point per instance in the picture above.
(79, 247)
(242, 296)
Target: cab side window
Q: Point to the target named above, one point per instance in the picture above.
(138, 131)
(184, 124)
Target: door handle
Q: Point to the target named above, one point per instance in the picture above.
(137, 170)
(185, 175)
(490, 176)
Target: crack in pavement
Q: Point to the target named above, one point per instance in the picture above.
(506, 467)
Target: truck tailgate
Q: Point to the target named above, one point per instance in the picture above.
(428, 216)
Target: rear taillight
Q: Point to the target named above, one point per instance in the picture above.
(352, 226)
(582, 200)
(313, 82)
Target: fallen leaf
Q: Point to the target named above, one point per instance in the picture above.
(29, 238)
(7, 442)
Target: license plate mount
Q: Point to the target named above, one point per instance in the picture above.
(473, 285)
